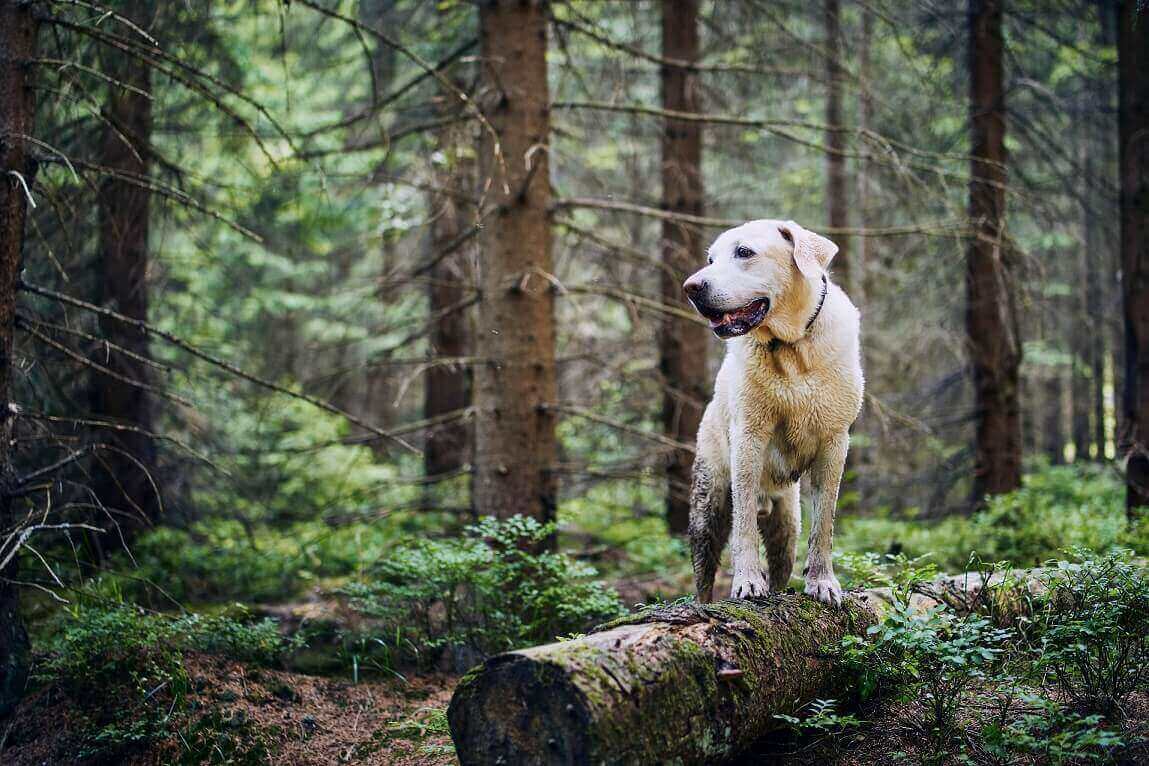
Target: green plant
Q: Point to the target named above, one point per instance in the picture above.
(487, 591)
(870, 570)
(820, 717)
(1091, 629)
(1048, 730)
(1078, 505)
(237, 637)
(125, 666)
(933, 657)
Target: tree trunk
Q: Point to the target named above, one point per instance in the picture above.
(682, 346)
(862, 450)
(122, 479)
(1133, 137)
(18, 29)
(515, 445)
(862, 180)
(688, 684)
(1089, 352)
(837, 210)
(1053, 426)
(446, 387)
(991, 317)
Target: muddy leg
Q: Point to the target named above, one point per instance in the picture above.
(780, 534)
(709, 526)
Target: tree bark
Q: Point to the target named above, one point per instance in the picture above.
(991, 317)
(447, 387)
(515, 384)
(1053, 425)
(1089, 347)
(18, 31)
(123, 477)
(1133, 137)
(688, 684)
(682, 346)
(837, 201)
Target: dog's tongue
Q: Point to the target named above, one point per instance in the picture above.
(737, 319)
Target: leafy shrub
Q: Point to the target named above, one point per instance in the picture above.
(1092, 629)
(932, 656)
(1059, 507)
(1056, 735)
(871, 570)
(214, 561)
(220, 560)
(486, 591)
(122, 653)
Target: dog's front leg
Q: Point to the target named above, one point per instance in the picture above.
(747, 452)
(824, 481)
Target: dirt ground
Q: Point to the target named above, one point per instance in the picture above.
(260, 716)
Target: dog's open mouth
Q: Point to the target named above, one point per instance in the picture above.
(739, 321)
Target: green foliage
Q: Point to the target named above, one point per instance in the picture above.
(216, 561)
(1049, 731)
(1056, 508)
(626, 519)
(487, 591)
(932, 656)
(223, 737)
(875, 570)
(1091, 630)
(222, 560)
(134, 658)
(820, 717)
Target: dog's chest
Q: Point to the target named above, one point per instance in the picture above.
(793, 418)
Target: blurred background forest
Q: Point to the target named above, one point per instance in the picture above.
(298, 293)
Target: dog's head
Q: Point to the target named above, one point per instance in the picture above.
(752, 269)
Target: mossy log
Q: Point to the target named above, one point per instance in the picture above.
(690, 683)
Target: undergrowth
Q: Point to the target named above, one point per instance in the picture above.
(485, 592)
(1048, 688)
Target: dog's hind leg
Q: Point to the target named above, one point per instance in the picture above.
(709, 525)
(780, 533)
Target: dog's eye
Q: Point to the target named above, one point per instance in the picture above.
(710, 259)
(743, 252)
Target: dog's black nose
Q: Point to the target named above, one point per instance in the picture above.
(695, 288)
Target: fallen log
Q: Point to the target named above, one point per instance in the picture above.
(687, 683)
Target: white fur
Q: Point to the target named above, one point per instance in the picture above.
(781, 411)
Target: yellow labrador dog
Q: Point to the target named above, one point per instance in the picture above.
(786, 395)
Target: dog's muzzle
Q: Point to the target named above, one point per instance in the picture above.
(731, 324)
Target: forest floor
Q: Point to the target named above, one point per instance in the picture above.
(237, 714)
(234, 713)
(241, 715)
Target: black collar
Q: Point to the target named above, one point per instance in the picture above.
(776, 343)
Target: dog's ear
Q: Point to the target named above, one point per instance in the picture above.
(812, 252)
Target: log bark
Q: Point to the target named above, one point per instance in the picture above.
(682, 345)
(18, 35)
(991, 315)
(1133, 136)
(515, 385)
(693, 683)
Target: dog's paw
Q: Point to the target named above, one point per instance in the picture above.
(825, 588)
(749, 584)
